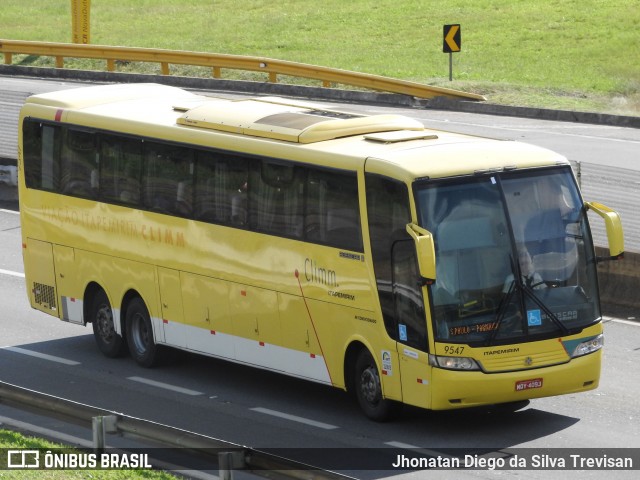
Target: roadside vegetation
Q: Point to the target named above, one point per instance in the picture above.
(569, 54)
(14, 440)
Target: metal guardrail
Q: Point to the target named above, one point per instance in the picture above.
(217, 62)
(229, 456)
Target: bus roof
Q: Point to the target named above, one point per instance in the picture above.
(393, 145)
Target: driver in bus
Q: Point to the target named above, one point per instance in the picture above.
(530, 277)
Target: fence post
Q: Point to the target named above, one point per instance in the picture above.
(97, 425)
(228, 461)
(101, 425)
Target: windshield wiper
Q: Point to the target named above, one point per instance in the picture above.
(506, 300)
(502, 310)
(529, 292)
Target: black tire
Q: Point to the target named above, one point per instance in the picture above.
(368, 390)
(142, 346)
(109, 342)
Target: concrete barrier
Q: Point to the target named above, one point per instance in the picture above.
(9, 175)
(620, 280)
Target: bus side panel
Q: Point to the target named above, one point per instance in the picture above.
(256, 325)
(206, 314)
(40, 276)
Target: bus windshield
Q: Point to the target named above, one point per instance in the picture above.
(514, 257)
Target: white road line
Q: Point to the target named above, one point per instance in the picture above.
(9, 272)
(9, 211)
(166, 386)
(294, 418)
(626, 322)
(43, 356)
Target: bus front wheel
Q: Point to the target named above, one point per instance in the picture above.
(369, 389)
(142, 346)
(109, 342)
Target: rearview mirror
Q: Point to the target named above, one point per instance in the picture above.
(425, 249)
(613, 225)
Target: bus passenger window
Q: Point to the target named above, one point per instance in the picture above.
(276, 200)
(168, 179)
(332, 213)
(78, 164)
(221, 189)
(120, 169)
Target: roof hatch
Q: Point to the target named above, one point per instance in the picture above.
(290, 121)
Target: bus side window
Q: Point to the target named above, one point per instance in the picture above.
(41, 155)
(221, 189)
(407, 295)
(276, 198)
(78, 164)
(388, 213)
(120, 169)
(168, 179)
(332, 213)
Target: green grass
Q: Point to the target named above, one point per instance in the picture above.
(14, 440)
(582, 54)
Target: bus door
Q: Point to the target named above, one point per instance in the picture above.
(70, 298)
(172, 313)
(411, 335)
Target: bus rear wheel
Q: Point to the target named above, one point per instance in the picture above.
(142, 346)
(109, 342)
(369, 389)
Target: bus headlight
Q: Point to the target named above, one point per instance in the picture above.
(453, 363)
(590, 346)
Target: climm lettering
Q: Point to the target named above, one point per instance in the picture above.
(314, 273)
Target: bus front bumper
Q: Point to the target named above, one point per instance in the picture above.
(456, 389)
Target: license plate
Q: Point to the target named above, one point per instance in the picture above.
(528, 384)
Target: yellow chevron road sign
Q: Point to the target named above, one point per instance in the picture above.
(452, 38)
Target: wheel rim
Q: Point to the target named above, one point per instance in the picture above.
(140, 334)
(370, 385)
(104, 322)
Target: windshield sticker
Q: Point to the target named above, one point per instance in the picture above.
(386, 363)
(402, 331)
(534, 318)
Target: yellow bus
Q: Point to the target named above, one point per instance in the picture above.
(403, 264)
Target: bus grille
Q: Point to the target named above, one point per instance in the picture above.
(525, 362)
(44, 295)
